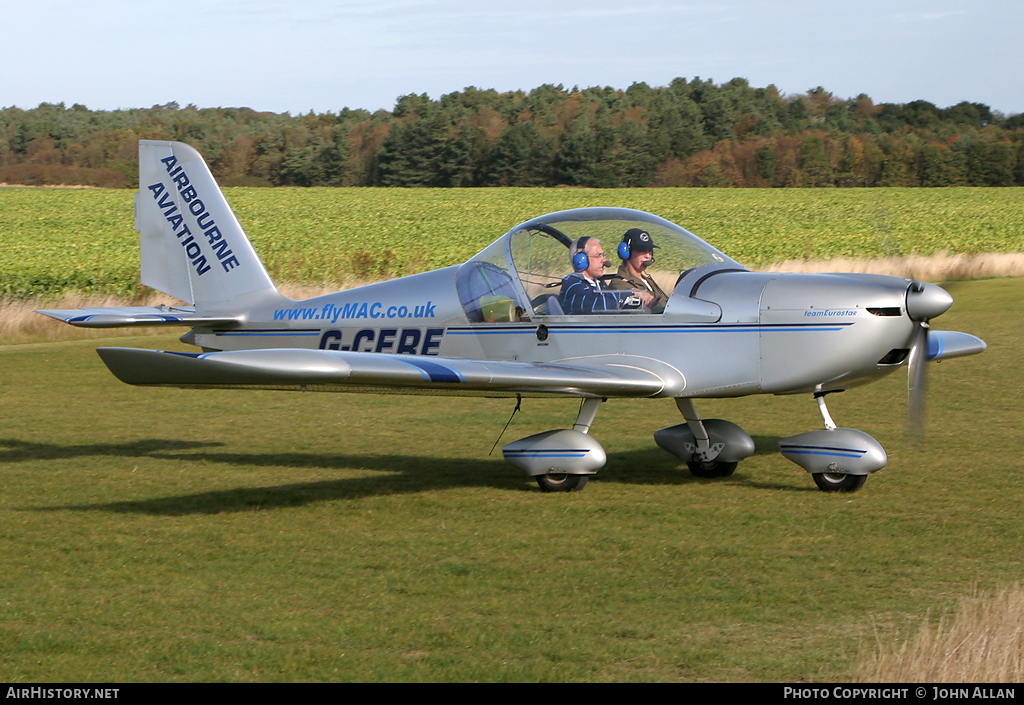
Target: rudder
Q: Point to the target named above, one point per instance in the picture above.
(191, 245)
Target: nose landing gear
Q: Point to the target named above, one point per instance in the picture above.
(839, 459)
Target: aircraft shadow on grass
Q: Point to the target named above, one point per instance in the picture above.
(406, 474)
(13, 450)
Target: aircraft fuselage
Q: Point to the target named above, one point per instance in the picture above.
(733, 333)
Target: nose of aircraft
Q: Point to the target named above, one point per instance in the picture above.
(926, 301)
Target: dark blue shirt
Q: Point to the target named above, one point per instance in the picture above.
(580, 295)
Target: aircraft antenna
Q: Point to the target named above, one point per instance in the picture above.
(519, 405)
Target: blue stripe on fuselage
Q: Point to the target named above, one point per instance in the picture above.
(530, 329)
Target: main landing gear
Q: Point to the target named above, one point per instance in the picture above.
(839, 459)
(561, 482)
(709, 447)
(561, 460)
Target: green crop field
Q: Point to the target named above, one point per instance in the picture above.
(60, 240)
(174, 535)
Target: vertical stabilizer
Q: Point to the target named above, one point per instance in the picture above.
(191, 245)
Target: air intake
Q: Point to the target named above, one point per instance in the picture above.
(896, 356)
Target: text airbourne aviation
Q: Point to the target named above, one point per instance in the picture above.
(215, 238)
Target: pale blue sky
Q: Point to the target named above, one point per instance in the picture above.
(298, 55)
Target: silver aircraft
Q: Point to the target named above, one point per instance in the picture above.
(504, 324)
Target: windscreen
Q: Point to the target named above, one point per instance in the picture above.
(523, 274)
(540, 250)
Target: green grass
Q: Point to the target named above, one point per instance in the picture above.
(162, 535)
(57, 240)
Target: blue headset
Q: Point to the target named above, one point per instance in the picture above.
(580, 260)
(624, 250)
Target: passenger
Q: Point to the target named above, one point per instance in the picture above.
(582, 291)
(637, 253)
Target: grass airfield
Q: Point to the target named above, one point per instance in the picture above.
(174, 535)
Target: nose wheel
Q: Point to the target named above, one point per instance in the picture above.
(838, 482)
(839, 459)
(834, 481)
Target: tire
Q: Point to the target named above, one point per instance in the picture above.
(838, 482)
(715, 468)
(562, 483)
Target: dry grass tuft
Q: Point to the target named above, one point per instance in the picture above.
(941, 267)
(300, 292)
(936, 268)
(981, 642)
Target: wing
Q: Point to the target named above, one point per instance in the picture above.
(341, 371)
(945, 344)
(115, 317)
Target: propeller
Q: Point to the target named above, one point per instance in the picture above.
(917, 382)
(924, 302)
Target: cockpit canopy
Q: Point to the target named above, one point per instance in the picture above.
(518, 277)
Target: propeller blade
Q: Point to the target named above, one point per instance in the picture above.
(917, 382)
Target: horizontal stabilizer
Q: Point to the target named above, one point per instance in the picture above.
(116, 317)
(944, 344)
(340, 371)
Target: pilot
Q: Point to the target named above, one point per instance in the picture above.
(582, 291)
(637, 253)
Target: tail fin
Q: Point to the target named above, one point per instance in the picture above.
(192, 246)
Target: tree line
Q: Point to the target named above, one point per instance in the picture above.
(689, 133)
